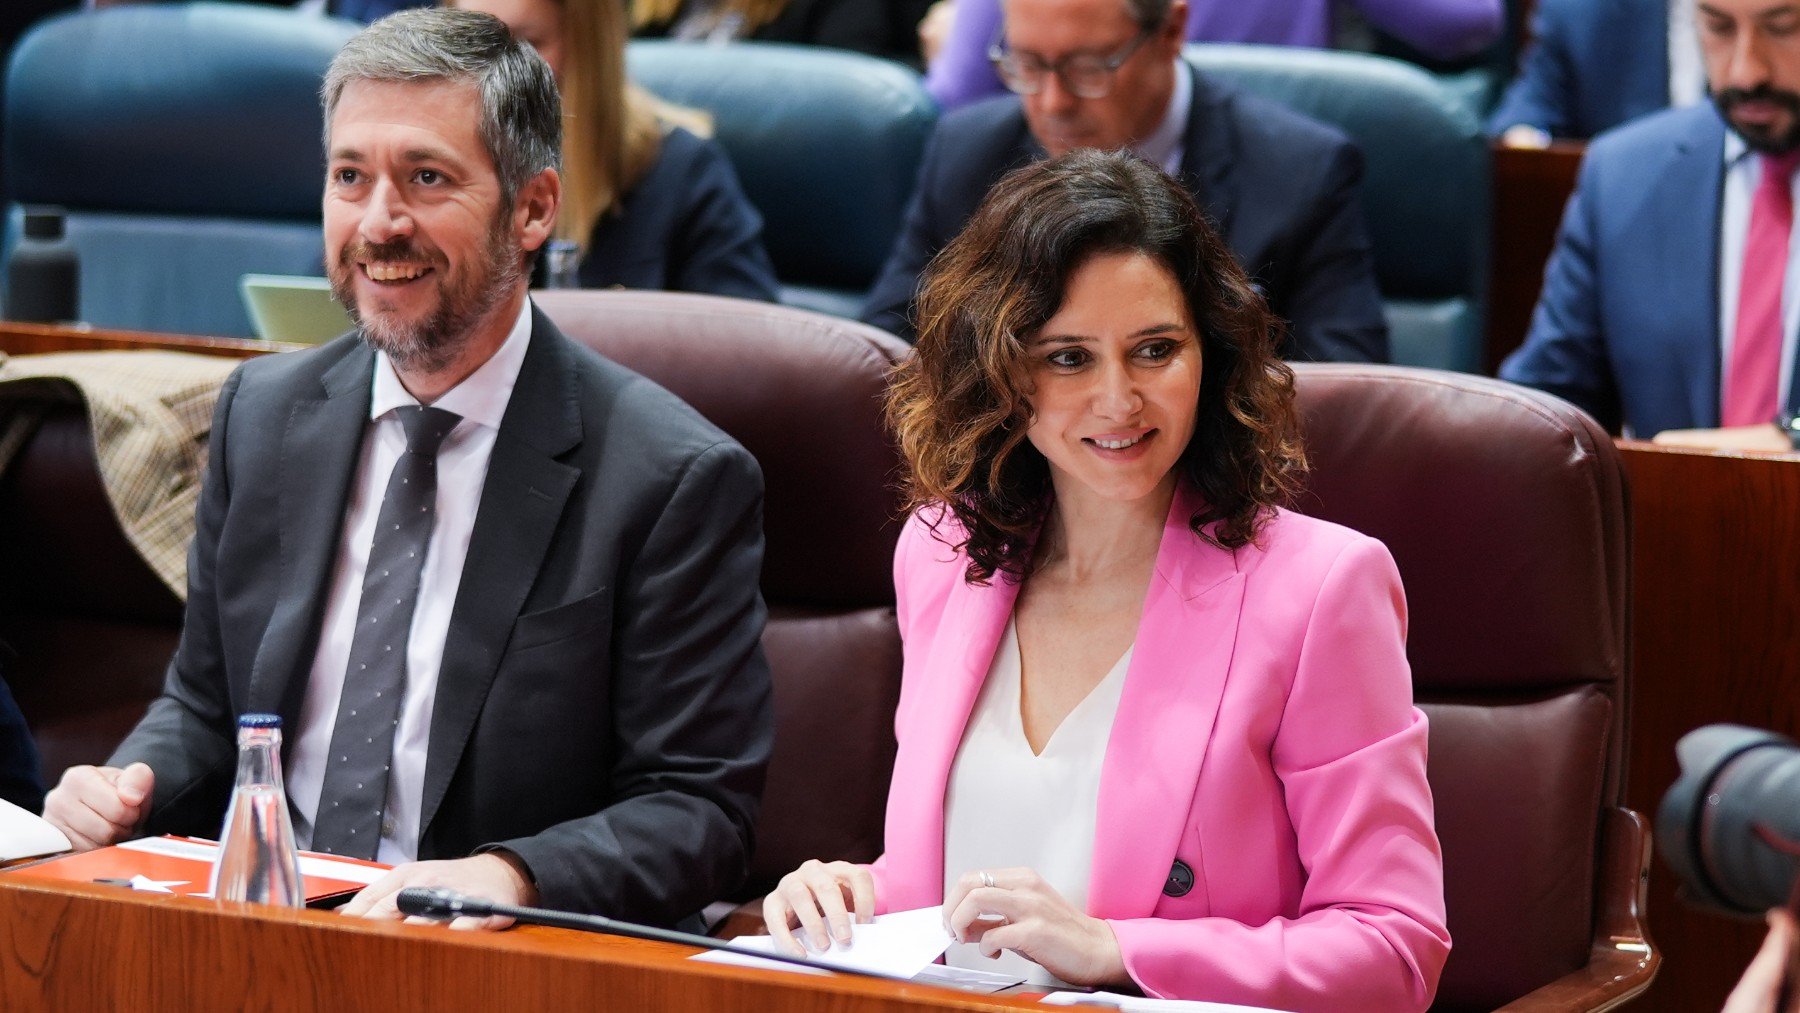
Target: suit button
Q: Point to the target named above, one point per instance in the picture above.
(1180, 881)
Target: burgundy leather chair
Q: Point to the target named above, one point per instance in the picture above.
(802, 392)
(1506, 512)
(92, 625)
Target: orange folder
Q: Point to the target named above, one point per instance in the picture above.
(183, 866)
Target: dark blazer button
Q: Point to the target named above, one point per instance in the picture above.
(1181, 879)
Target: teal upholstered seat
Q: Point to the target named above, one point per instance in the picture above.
(184, 140)
(1425, 188)
(827, 144)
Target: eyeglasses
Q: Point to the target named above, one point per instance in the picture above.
(1085, 75)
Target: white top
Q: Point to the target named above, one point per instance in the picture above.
(1743, 168)
(462, 465)
(1006, 806)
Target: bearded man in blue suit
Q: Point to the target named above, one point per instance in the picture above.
(1657, 269)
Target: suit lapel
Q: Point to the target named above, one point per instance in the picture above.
(1179, 666)
(961, 654)
(521, 503)
(1209, 155)
(319, 452)
(1687, 198)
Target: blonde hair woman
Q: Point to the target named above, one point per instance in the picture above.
(649, 202)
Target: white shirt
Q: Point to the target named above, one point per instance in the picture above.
(1005, 806)
(462, 465)
(1687, 71)
(1163, 147)
(1743, 168)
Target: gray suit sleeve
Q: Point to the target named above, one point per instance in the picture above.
(691, 715)
(186, 736)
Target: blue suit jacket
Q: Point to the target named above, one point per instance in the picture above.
(1281, 189)
(1592, 65)
(685, 227)
(1627, 326)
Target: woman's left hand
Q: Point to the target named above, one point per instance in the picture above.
(1014, 909)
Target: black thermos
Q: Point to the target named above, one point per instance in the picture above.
(42, 277)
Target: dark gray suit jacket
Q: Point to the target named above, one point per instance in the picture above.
(1282, 190)
(602, 709)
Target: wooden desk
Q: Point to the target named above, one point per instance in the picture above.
(1530, 189)
(71, 946)
(32, 339)
(1715, 636)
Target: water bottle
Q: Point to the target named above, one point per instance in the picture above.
(42, 276)
(257, 860)
(562, 264)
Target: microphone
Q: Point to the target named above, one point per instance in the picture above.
(444, 904)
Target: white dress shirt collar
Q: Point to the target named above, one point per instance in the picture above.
(480, 398)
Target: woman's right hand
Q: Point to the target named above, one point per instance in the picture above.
(819, 898)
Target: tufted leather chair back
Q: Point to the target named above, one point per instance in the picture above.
(92, 625)
(802, 392)
(1505, 511)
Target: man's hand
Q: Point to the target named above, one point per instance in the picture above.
(1765, 438)
(97, 806)
(494, 876)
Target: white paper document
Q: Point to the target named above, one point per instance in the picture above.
(24, 834)
(322, 866)
(898, 945)
(1139, 1004)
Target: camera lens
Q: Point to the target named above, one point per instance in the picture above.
(1721, 824)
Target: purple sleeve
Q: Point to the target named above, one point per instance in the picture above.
(1445, 29)
(961, 73)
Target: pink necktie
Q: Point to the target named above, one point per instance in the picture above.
(1755, 369)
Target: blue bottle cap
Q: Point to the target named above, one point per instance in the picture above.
(259, 721)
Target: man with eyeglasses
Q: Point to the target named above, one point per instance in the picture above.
(1282, 189)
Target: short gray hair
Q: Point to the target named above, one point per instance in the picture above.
(521, 113)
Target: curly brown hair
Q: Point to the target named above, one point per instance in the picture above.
(961, 405)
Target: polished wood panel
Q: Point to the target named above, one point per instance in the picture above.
(72, 946)
(1715, 637)
(32, 339)
(1530, 189)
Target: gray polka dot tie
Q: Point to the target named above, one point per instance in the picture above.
(362, 742)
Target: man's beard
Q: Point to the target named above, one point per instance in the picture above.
(1758, 138)
(431, 344)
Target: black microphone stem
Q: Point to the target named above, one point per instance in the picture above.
(609, 926)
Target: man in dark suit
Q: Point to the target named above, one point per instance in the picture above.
(1108, 74)
(503, 591)
(1591, 65)
(1670, 302)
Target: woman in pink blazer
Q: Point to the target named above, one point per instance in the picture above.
(1098, 438)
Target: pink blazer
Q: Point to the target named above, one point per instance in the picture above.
(1266, 738)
